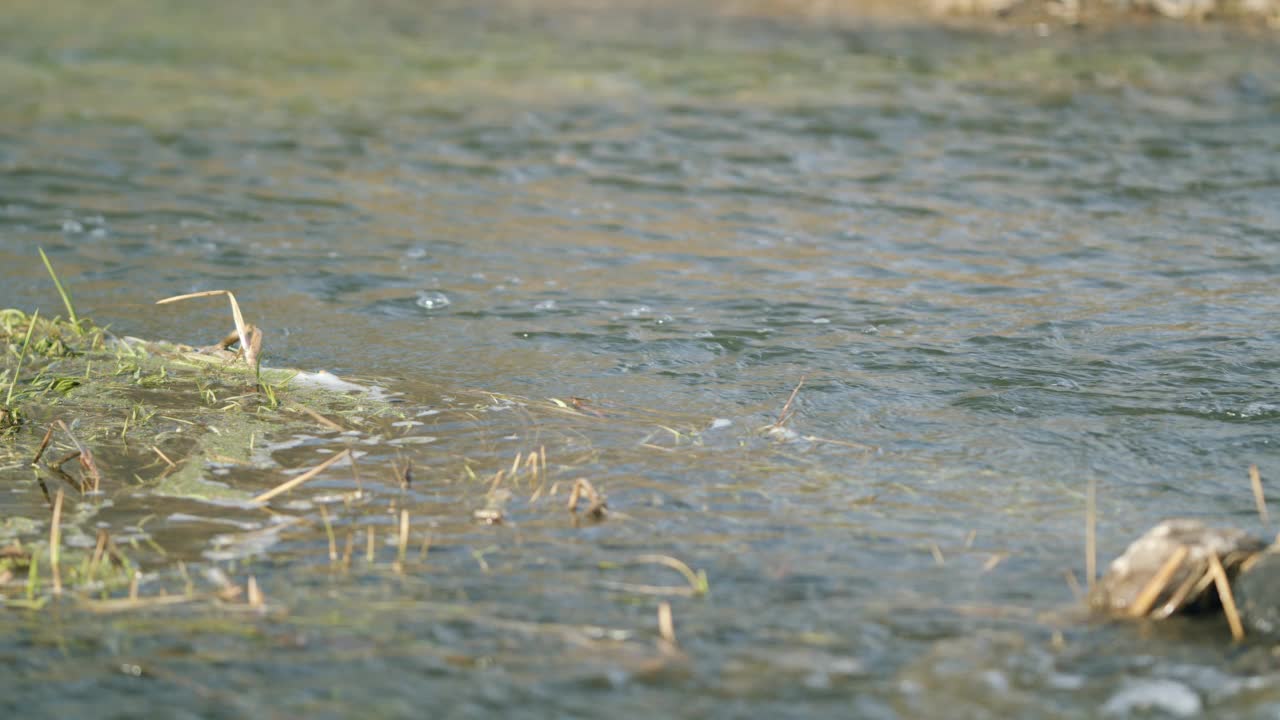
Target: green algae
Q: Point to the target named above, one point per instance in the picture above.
(95, 417)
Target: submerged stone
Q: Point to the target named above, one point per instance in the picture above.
(1133, 584)
(1258, 593)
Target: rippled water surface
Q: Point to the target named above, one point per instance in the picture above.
(1002, 265)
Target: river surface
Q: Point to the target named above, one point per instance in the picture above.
(1002, 265)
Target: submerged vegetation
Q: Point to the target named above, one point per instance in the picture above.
(92, 422)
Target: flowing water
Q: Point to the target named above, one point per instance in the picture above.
(1003, 265)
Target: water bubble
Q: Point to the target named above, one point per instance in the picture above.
(432, 300)
(71, 226)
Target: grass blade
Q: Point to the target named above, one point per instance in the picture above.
(66, 297)
(22, 354)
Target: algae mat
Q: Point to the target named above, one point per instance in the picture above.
(129, 459)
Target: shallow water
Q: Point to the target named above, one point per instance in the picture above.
(1002, 265)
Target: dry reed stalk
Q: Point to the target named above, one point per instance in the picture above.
(1142, 604)
(133, 585)
(98, 550)
(404, 474)
(1197, 581)
(596, 505)
(1074, 584)
(531, 466)
(1091, 534)
(666, 625)
(658, 590)
(368, 546)
(936, 551)
(1224, 594)
(497, 480)
(85, 455)
(696, 580)
(786, 413)
(328, 531)
(346, 549)
(355, 476)
(254, 594)
(163, 457)
(249, 348)
(135, 603)
(1259, 499)
(44, 444)
(55, 543)
(403, 542)
(304, 477)
(316, 416)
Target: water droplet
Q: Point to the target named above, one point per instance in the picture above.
(71, 226)
(547, 305)
(432, 300)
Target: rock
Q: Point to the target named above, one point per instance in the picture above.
(1186, 585)
(1257, 592)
